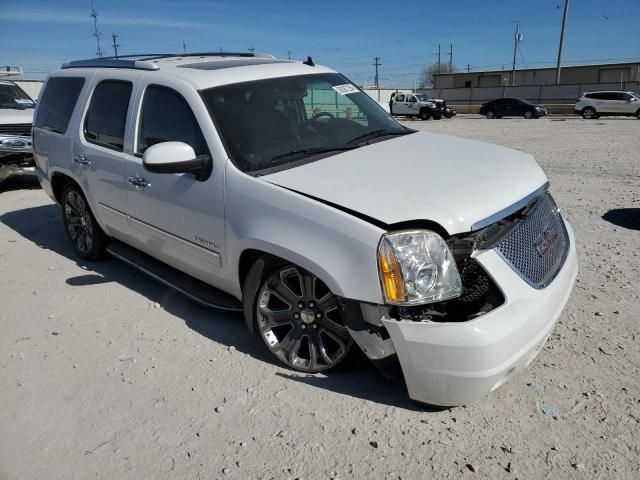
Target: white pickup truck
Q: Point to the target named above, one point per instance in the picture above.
(16, 116)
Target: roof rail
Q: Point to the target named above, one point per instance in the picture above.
(145, 61)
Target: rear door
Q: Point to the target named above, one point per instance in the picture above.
(413, 106)
(177, 218)
(99, 148)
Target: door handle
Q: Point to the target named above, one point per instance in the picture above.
(138, 182)
(82, 160)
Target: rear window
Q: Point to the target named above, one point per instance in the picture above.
(107, 115)
(57, 102)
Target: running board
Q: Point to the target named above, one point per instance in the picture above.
(190, 287)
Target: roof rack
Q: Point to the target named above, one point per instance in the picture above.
(146, 61)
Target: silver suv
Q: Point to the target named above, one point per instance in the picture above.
(281, 190)
(596, 104)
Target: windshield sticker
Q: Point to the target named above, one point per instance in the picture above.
(345, 89)
(23, 101)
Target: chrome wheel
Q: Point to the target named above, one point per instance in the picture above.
(299, 320)
(588, 113)
(78, 221)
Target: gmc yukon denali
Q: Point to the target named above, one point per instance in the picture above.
(280, 190)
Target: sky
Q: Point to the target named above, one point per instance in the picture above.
(39, 35)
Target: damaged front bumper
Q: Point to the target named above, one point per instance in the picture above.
(455, 363)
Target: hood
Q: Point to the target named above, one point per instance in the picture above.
(452, 181)
(10, 116)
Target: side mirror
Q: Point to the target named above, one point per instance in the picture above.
(176, 157)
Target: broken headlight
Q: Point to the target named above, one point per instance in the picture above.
(417, 267)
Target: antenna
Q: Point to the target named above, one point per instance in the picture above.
(115, 45)
(96, 32)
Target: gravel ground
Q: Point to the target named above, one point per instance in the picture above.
(106, 374)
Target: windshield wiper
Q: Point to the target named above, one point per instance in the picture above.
(311, 151)
(379, 133)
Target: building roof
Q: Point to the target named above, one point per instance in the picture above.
(528, 69)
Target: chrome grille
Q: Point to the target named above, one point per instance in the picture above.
(537, 246)
(23, 129)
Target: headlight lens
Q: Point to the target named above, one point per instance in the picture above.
(416, 267)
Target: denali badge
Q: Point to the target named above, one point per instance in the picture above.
(546, 240)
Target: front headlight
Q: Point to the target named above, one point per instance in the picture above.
(416, 267)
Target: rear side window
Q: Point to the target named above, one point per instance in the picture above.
(166, 117)
(57, 102)
(107, 115)
(399, 97)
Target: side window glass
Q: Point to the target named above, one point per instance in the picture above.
(166, 117)
(106, 118)
(57, 102)
(412, 99)
(400, 97)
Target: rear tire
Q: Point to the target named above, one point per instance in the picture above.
(310, 338)
(87, 238)
(638, 114)
(589, 113)
(491, 115)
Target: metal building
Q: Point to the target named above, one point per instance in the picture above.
(611, 73)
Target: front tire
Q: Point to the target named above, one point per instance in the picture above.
(528, 114)
(424, 115)
(589, 113)
(295, 316)
(87, 238)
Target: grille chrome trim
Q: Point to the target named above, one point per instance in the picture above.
(520, 247)
(510, 209)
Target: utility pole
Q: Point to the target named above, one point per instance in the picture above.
(451, 57)
(564, 23)
(516, 39)
(96, 32)
(184, 47)
(377, 64)
(468, 67)
(115, 45)
(252, 49)
(438, 58)
(289, 54)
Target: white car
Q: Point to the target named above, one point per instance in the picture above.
(16, 116)
(280, 189)
(596, 104)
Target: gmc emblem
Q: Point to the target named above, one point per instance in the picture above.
(546, 240)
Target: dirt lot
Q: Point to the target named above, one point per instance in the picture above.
(106, 374)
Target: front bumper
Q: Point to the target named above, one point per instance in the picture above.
(16, 156)
(452, 364)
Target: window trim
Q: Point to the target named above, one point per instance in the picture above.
(138, 123)
(86, 115)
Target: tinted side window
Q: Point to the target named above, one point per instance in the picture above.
(107, 115)
(166, 117)
(400, 97)
(57, 103)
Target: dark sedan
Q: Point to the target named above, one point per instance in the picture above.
(512, 107)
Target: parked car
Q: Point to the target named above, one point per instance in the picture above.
(215, 174)
(596, 104)
(414, 105)
(448, 112)
(511, 107)
(16, 115)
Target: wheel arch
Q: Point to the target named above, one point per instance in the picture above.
(58, 181)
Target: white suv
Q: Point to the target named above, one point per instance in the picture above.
(596, 104)
(280, 189)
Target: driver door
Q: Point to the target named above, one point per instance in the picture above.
(178, 218)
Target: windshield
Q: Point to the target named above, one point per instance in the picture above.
(422, 97)
(12, 96)
(281, 122)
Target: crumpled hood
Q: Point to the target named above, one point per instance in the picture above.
(452, 181)
(10, 116)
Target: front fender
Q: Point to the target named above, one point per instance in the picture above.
(336, 246)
